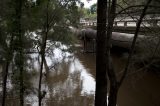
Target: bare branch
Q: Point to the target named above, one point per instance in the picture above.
(135, 6)
(134, 42)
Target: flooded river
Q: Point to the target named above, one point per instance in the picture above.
(139, 88)
(69, 80)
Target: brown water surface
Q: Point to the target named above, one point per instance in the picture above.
(69, 80)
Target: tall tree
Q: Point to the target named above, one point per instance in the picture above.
(111, 74)
(43, 47)
(101, 57)
(6, 41)
(56, 15)
(19, 47)
(114, 83)
(104, 60)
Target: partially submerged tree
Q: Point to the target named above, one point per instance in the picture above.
(6, 44)
(54, 17)
(107, 69)
(101, 57)
(19, 34)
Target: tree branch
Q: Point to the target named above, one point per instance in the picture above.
(135, 6)
(134, 42)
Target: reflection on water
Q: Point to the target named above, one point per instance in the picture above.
(69, 80)
(66, 81)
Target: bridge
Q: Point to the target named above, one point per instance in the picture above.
(127, 25)
(121, 40)
(122, 34)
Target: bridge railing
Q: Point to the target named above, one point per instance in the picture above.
(131, 22)
(127, 23)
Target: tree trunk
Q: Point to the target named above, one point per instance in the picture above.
(101, 74)
(134, 41)
(6, 67)
(20, 56)
(112, 99)
(5, 83)
(111, 74)
(44, 39)
(114, 86)
(21, 81)
(41, 67)
(46, 66)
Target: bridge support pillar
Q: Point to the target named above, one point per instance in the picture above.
(125, 24)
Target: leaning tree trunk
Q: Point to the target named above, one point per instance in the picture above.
(114, 84)
(134, 41)
(101, 74)
(41, 69)
(43, 47)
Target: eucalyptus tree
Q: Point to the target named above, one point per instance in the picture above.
(5, 57)
(53, 21)
(12, 42)
(116, 82)
(6, 47)
(19, 33)
(104, 66)
(52, 18)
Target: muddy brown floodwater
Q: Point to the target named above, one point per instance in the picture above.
(139, 88)
(69, 80)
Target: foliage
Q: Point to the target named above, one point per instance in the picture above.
(93, 8)
(90, 13)
(19, 22)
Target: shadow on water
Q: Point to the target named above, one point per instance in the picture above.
(69, 79)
